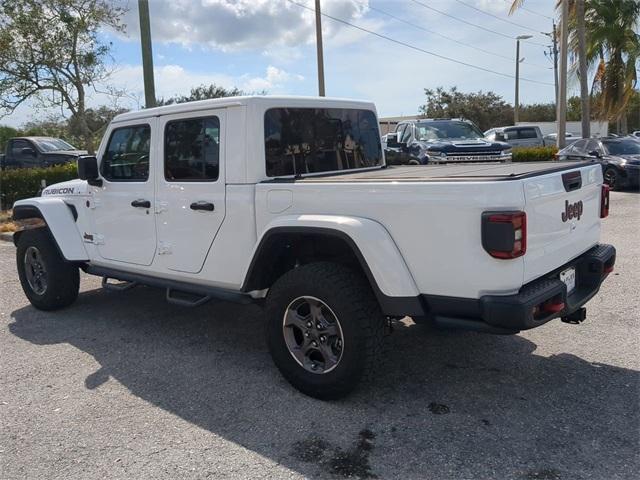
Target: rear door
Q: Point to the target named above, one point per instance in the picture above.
(563, 217)
(190, 199)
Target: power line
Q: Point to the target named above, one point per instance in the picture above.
(472, 24)
(413, 47)
(420, 27)
(497, 17)
(522, 7)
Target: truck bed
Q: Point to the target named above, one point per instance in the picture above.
(442, 173)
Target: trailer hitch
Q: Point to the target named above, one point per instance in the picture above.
(576, 317)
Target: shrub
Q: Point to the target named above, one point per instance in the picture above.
(534, 154)
(16, 184)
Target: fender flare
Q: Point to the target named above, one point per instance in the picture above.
(61, 222)
(373, 246)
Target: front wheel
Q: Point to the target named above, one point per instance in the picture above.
(47, 279)
(612, 178)
(324, 329)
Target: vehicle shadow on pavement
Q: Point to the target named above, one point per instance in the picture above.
(446, 405)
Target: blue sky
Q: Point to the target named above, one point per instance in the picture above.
(270, 45)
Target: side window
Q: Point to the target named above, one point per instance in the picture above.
(192, 150)
(400, 130)
(593, 145)
(406, 135)
(580, 147)
(17, 146)
(527, 133)
(126, 158)
(300, 141)
(511, 134)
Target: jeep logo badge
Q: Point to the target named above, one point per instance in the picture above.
(572, 210)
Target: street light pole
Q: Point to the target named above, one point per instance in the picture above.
(319, 49)
(147, 55)
(516, 106)
(562, 87)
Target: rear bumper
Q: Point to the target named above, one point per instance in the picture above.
(535, 304)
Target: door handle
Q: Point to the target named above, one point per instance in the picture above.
(202, 206)
(141, 203)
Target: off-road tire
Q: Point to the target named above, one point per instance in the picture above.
(612, 178)
(63, 278)
(348, 294)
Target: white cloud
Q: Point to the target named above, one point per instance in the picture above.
(170, 80)
(493, 6)
(241, 24)
(174, 79)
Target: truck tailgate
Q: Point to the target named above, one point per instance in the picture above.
(563, 217)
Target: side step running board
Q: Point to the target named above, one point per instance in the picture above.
(202, 293)
(117, 287)
(185, 299)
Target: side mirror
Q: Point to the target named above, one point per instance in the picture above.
(88, 170)
(392, 140)
(28, 151)
(595, 153)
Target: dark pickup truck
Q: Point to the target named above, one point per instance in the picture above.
(442, 140)
(29, 152)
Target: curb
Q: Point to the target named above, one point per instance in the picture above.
(6, 237)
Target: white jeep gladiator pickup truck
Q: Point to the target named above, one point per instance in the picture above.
(288, 202)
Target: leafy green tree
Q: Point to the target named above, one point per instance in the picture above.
(203, 92)
(486, 109)
(538, 112)
(613, 49)
(5, 134)
(51, 51)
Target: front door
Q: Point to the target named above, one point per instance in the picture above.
(190, 188)
(123, 208)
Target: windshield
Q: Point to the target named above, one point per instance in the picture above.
(622, 147)
(447, 130)
(53, 144)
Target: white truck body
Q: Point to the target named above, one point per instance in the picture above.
(416, 230)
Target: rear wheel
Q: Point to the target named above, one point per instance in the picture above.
(325, 329)
(612, 178)
(48, 281)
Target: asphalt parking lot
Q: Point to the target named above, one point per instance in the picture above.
(123, 385)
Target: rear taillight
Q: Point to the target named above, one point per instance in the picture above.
(604, 201)
(504, 234)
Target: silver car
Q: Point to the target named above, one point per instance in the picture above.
(517, 136)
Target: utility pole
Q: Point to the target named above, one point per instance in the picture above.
(319, 49)
(147, 54)
(562, 84)
(555, 58)
(516, 106)
(553, 54)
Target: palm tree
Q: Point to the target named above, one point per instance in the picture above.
(604, 39)
(578, 38)
(613, 49)
(582, 66)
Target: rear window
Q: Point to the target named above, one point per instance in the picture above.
(299, 141)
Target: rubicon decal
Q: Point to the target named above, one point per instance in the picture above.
(59, 191)
(572, 210)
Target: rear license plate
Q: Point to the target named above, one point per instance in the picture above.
(568, 276)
